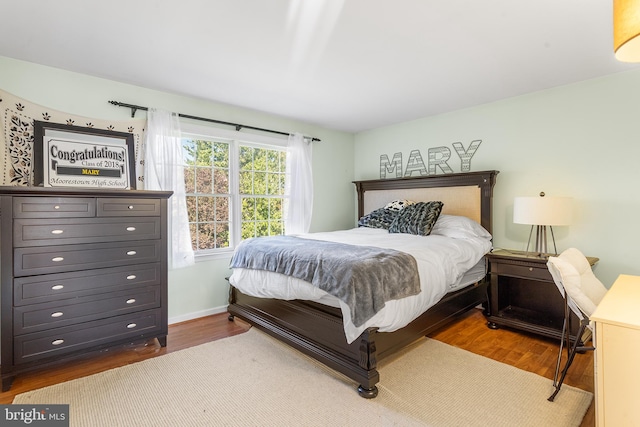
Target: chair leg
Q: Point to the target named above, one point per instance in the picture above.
(571, 354)
(562, 338)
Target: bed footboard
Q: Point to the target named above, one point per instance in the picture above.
(317, 330)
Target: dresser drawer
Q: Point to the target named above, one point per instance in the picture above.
(58, 259)
(39, 317)
(53, 287)
(40, 345)
(54, 207)
(40, 232)
(128, 207)
(527, 272)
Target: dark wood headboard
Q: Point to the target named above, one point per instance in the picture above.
(468, 194)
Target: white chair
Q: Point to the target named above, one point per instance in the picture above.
(582, 292)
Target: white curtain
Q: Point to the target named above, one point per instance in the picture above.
(298, 185)
(164, 170)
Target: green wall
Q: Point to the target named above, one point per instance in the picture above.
(580, 140)
(201, 289)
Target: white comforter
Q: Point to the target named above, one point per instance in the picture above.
(442, 262)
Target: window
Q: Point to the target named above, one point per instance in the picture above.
(234, 189)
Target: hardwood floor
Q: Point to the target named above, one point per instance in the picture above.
(524, 351)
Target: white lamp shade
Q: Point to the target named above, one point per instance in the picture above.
(626, 30)
(542, 210)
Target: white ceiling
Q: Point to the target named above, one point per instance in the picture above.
(348, 65)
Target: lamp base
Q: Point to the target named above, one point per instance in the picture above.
(541, 241)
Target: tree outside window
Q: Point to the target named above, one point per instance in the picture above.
(209, 175)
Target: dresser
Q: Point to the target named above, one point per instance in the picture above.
(522, 295)
(81, 270)
(617, 342)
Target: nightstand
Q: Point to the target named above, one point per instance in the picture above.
(522, 295)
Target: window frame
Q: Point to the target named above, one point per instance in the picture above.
(235, 139)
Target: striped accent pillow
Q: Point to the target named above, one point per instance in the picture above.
(418, 218)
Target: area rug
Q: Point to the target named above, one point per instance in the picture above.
(253, 380)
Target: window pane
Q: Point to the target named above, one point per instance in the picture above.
(275, 209)
(205, 209)
(246, 183)
(262, 228)
(248, 209)
(221, 155)
(246, 158)
(190, 179)
(259, 183)
(222, 235)
(204, 153)
(221, 181)
(204, 180)
(206, 236)
(273, 161)
(189, 151)
(260, 159)
(262, 209)
(248, 230)
(192, 208)
(273, 182)
(275, 228)
(222, 209)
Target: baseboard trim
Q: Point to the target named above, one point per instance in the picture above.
(197, 314)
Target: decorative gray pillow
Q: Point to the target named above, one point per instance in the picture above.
(380, 218)
(418, 218)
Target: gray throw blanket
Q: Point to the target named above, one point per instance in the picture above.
(363, 277)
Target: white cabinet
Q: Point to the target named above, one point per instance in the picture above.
(617, 341)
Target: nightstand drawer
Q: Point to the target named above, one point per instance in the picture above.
(40, 345)
(58, 259)
(54, 207)
(128, 207)
(41, 232)
(527, 272)
(39, 317)
(53, 287)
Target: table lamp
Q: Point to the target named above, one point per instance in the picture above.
(542, 212)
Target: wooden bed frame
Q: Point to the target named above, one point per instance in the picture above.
(317, 330)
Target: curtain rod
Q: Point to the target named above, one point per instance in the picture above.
(238, 126)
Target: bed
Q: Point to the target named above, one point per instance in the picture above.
(317, 327)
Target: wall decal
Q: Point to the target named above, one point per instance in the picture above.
(437, 157)
(392, 166)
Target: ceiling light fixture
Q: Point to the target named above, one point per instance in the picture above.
(626, 30)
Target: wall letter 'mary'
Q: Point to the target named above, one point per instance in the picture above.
(437, 157)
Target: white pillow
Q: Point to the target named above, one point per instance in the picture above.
(459, 227)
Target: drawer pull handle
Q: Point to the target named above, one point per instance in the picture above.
(131, 229)
(57, 342)
(130, 207)
(530, 268)
(57, 231)
(57, 314)
(131, 277)
(57, 259)
(57, 287)
(131, 325)
(56, 207)
(131, 252)
(131, 300)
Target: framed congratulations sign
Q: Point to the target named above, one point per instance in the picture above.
(75, 156)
